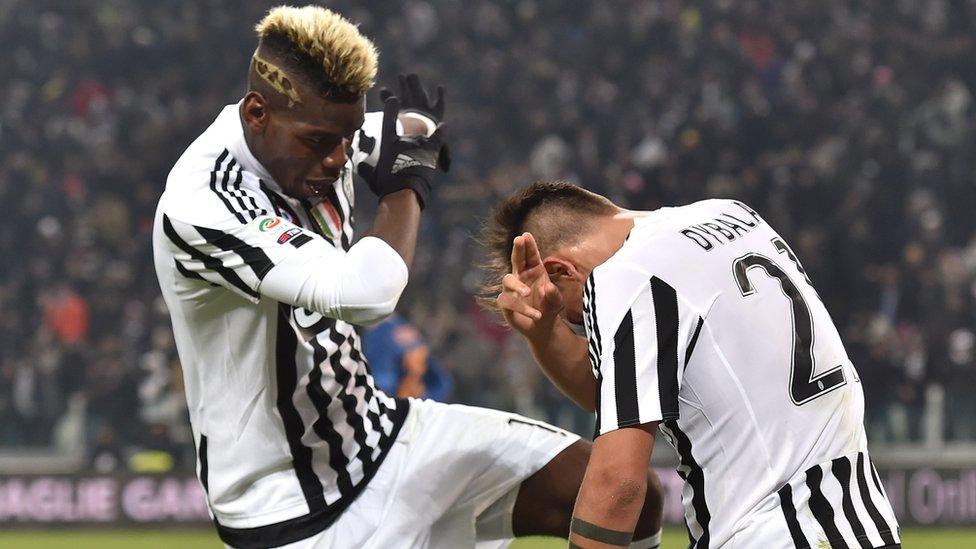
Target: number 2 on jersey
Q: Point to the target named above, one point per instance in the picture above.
(804, 386)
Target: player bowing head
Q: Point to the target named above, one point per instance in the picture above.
(306, 97)
(702, 322)
(561, 231)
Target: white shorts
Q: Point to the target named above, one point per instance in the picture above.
(449, 481)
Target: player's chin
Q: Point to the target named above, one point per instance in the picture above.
(318, 186)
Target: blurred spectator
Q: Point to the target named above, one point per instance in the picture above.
(401, 362)
(848, 125)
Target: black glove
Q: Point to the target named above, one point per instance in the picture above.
(405, 162)
(414, 98)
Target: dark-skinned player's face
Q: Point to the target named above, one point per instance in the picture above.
(304, 147)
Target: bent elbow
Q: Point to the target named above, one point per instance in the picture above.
(379, 300)
(624, 492)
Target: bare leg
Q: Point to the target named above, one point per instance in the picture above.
(545, 500)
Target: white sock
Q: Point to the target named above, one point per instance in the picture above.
(651, 542)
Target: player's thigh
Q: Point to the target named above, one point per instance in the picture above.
(545, 500)
(464, 457)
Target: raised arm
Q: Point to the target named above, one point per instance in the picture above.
(531, 305)
(400, 170)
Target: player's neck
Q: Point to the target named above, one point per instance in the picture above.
(607, 237)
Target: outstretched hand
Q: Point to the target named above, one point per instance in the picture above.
(529, 301)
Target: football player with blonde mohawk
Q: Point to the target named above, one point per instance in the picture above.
(266, 287)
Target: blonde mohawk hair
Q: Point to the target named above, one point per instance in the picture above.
(313, 37)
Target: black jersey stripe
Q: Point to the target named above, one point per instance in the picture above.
(598, 348)
(862, 484)
(349, 401)
(227, 188)
(364, 380)
(272, 196)
(789, 513)
(233, 189)
(323, 427)
(625, 372)
(356, 353)
(882, 495)
(216, 190)
(253, 257)
(253, 210)
(695, 477)
(286, 373)
(694, 341)
(230, 192)
(187, 272)
(209, 262)
(596, 404)
(588, 324)
(204, 467)
(305, 526)
(665, 301)
(300, 240)
(279, 204)
(821, 508)
(841, 469)
(594, 320)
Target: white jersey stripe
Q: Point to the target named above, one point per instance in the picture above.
(830, 509)
(286, 369)
(884, 518)
(841, 468)
(821, 508)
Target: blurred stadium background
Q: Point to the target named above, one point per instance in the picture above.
(849, 124)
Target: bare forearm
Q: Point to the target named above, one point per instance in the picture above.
(614, 488)
(397, 221)
(562, 356)
(606, 511)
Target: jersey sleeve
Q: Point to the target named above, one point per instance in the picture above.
(638, 330)
(236, 256)
(269, 256)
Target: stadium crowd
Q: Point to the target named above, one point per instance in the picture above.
(849, 125)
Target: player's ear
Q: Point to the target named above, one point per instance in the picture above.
(559, 268)
(256, 111)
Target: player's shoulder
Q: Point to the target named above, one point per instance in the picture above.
(670, 244)
(209, 185)
(676, 235)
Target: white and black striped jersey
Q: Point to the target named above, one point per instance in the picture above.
(706, 322)
(288, 423)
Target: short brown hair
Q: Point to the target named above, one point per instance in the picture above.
(557, 214)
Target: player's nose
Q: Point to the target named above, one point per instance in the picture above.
(336, 158)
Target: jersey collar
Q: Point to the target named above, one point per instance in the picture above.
(239, 149)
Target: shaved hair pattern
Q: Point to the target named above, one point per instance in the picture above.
(557, 213)
(323, 45)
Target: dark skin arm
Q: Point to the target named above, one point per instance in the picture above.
(615, 484)
(398, 214)
(397, 221)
